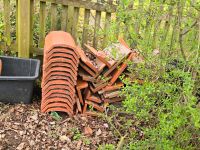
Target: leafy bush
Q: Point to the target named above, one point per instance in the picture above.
(166, 107)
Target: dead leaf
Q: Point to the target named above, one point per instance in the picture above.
(2, 136)
(156, 52)
(79, 144)
(84, 119)
(98, 132)
(88, 131)
(20, 146)
(34, 117)
(21, 133)
(65, 148)
(31, 143)
(105, 125)
(64, 138)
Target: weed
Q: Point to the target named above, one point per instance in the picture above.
(106, 147)
(56, 116)
(86, 141)
(76, 134)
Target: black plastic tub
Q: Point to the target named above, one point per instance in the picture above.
(17, 79)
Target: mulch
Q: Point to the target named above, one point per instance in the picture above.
(24, 127)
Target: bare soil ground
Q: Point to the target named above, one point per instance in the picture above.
(24, 127)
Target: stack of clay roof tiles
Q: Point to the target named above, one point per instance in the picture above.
(60, 67)
(78, 81)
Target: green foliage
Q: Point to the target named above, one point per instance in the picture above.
(56, 116)
(76, 134)
(169, 26)
(106, 147)
(86, 141)
(166, 105)
(166, 108)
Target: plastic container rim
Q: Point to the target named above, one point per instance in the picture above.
(5, 78)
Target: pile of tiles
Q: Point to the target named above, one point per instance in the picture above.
(60, 68)
(78, 81)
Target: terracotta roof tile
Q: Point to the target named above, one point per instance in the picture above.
(59, 109)
(119, 71)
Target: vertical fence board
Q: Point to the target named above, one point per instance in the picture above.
(70, 18)
(148, 21)
(126, 31)
(16, 15)
(174, 32)
(117, 22)
(31, 22)
(167, 26)
(199, 32)
(107, 24)
(198, 47)
(24, 28)
(85, 27)
(180, 29)
(170, 10)
(137, 24)
(157, 29)
(97, 27)
(6, 5)
(75, 22)
(64, 18)
(53, 16)
(42, 23)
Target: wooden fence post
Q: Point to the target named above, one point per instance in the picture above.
(24, 26)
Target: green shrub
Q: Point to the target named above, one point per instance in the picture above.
(166, 107)
(167, 104)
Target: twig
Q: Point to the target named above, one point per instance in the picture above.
(95, 20)
(187, 30)
(108, 119)
(192, 4)
(110, 122)
(7, 129)
(121, 142)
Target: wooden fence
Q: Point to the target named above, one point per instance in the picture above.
(33, 19)
(164, 25)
